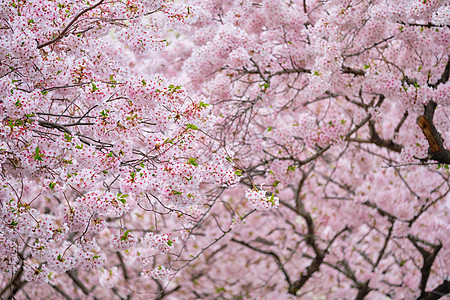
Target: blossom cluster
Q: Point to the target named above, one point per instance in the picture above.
(160, 273)
(259, 201)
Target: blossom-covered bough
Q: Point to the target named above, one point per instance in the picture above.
(104, 163)
(224, 149)
(341, 109)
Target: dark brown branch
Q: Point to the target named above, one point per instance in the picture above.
(326, 148)
(428, 260)
(271, 253)
(310, 240)
(445, 75)
(399, 125)
(377, 140)
(386, 241)
(63, 128)
(430, 133)
(427, 25)
(122, 265)
(65, 30)
(11, 289)
(77, 281)
(436, 151)
(379, 210)
(440, 291)
(348, 70)
(52, 125)
(364, 49)
(61, 291)
(310, 270)
(363, 290)
(166, 293)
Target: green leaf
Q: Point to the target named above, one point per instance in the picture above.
(68, 137)
(68, 161)
(170, 141)
(122, 197)
(264, 86)
(272, 200)
(52, 185)
(191, 126)
(37, 154)
(125, 235)
(94, 87)
(174, 88)
(104, 113)
(238, 172)
(193, 161)
(203, 104)
(291, 168)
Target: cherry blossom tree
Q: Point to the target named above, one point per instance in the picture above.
(224, 149)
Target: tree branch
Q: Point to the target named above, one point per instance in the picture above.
(436, 150)
(271, 253)
(11, 289)
(428, 260)
(440, 291)
(65, 30)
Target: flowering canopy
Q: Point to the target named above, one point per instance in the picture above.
(224, 149)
